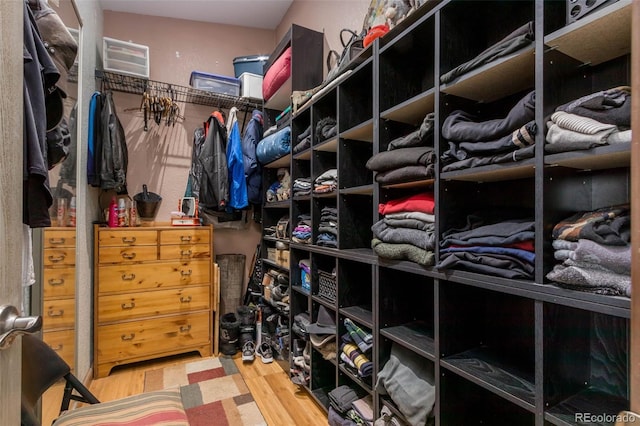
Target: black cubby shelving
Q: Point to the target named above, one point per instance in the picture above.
(503, 351)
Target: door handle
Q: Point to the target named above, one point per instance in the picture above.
(12, 325)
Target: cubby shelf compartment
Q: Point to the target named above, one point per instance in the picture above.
(493, 172)
(415, 336)
(588, 401)
(598, 37)
(361, 132)
(302, 198)
(329, 145)
(359, 314)
(497, 79)
(280, 162)
(388, 402)
(273, 264)
(483, 368)
(304, 155)
(412, 111)
(284, 204)
(323, 301)
(604, 157)
(355, 378)
(358, 190)
(299, 289)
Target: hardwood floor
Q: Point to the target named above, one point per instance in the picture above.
(281, 402)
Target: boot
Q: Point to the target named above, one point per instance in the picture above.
(229, 332)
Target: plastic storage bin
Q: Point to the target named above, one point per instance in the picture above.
(253, 64)
(251, 85)
(215, 83)
(124, 57)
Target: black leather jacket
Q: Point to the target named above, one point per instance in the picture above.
(114, 155)
(209, 174)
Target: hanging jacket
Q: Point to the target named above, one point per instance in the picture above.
(114, 155)
(209, 175)
(237, 182)
(252, 168)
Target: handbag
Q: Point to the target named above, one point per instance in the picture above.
(337, 63)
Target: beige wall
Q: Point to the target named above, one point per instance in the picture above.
(161, 156)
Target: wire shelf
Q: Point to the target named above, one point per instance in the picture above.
(138, 85)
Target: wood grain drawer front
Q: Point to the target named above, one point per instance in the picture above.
(59, 256)
(128, 254)
(128, 278)
(59, 282)
(59, 313)
(118, 342)
(187, 251)
(59, 238)
(185, 236)
(62, 343)
(127, 237)
(119, 307)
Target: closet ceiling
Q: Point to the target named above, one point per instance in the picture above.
(265, 14)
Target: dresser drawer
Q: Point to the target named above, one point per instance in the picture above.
(59, 238)
(118, 307)
(58, 282)
(186, 251)
(59, 313)
(118, 342)
(127, 254)
(62, 343)
(185, 236)
(128, 278)
(127, 237)
(59, 256)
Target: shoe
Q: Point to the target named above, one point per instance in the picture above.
(248, 350)
(264, 352)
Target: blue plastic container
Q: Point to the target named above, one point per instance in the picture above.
(253, 64)
(215, 83)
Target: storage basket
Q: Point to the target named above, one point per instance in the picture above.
(327, 285)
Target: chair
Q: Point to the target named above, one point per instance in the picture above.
(42, 367)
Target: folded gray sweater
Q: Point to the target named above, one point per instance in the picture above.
(591, 280)
(616, 259)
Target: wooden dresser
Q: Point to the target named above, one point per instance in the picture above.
(59, 291)
(153, 293)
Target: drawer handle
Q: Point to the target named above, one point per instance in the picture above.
(185, 253)
(185, 299)
(185, 328)
(56, 259)
(128, 277)
(186, 273)
(126, 306)
(124, 337)
(185, 238)
(128, 240)
(128, 256)
(56, 240)
(56, 282)
(55, 313)
(58, 348)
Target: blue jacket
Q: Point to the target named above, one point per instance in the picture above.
(237, 183)
(252, 168)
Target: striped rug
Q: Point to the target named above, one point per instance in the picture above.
(213, 392)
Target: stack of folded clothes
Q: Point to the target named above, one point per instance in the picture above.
(303, 141)
(302, 232)
(325, 129)
(503, 248)
(408, 158)
(302, 186)
(476, 141)
(601, 118)
(355, 350)
(595, 251)
(349, 407)
(326, 182)
(407, 230)
(328, 227)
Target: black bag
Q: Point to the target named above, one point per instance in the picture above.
(58, 142)
(350, 49)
